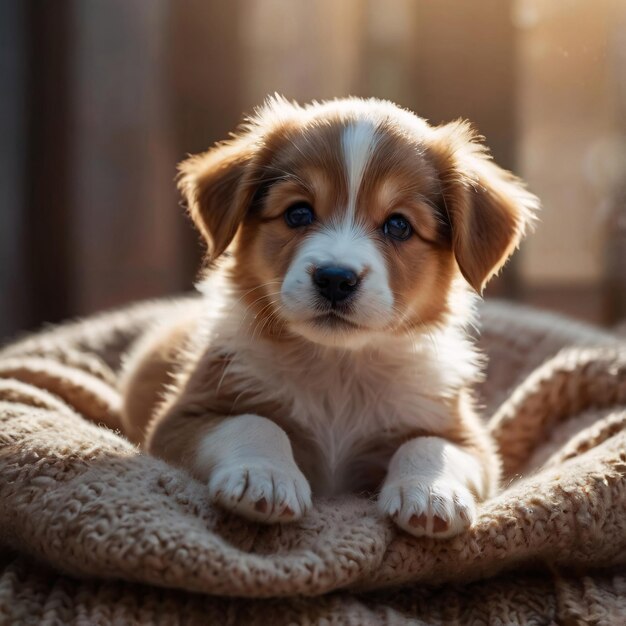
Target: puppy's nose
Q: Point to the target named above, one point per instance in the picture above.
(335, 283)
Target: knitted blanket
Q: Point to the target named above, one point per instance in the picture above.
(94, 532)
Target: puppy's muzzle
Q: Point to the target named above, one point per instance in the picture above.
(335, 283)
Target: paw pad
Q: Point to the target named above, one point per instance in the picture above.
(440, 525)
(418, 521)
(262, 491)
(433, 509)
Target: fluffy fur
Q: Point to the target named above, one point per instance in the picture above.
(268, 390)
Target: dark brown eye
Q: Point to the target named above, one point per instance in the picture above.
(299, 214)
(397, 227)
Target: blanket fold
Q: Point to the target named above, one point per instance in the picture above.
(77, 496)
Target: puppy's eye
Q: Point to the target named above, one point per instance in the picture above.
(299, 214)
(397, 227)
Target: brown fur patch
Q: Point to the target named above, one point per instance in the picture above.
(488, 207)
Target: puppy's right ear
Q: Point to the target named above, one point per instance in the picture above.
(217, 200)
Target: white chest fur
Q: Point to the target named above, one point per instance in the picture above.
(343, 398)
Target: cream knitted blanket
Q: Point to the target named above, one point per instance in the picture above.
(92, 531)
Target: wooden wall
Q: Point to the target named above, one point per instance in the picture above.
(104, 97)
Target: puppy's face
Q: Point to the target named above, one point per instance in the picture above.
(353, 218)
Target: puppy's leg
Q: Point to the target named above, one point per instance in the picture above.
(247, 461)
(148, 369)
(432, 486)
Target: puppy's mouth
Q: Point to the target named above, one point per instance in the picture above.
(335, 321)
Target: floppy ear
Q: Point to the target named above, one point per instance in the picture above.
(217, 200)
(489, 208)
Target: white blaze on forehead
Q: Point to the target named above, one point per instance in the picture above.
(358, 141)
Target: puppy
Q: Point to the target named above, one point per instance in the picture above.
(329, 353)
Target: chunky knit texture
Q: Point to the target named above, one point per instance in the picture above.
(92, 531)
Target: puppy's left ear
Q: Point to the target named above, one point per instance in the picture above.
(213, 186)
(489, 208)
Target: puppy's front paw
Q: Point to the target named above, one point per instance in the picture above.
(261, 490)
(442, 508)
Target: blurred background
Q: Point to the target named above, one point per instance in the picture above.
(101, 98)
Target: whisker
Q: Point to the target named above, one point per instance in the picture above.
(249, 309)
(243, 295)
(260, 313)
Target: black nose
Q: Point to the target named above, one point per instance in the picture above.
(335, 283)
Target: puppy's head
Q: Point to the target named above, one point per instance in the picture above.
(353, 218)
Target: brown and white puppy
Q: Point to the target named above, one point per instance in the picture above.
(330, 352)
